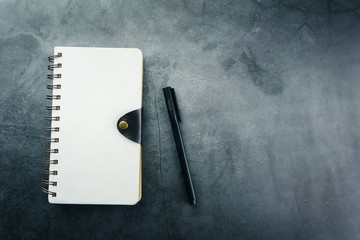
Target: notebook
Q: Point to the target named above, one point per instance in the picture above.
(95, 122)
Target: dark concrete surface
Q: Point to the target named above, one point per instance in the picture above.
(269, 96)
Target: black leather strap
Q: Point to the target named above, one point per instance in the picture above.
(133, 131)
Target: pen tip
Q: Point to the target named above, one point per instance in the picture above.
(193, 202)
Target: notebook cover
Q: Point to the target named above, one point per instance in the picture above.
(96, 163)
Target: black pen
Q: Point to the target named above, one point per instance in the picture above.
(174, 116)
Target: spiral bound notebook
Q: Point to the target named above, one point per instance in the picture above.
(95, 143)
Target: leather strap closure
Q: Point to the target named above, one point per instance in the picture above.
(130, 125)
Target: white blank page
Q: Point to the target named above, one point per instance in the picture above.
(96, 163)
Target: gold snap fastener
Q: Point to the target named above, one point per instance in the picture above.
(123, 125)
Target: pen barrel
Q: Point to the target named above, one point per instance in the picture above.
(184, 163)
(174, 120)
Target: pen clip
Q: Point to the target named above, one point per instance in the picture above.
(175, 104)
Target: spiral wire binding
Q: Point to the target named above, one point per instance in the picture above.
(48, 150)
(52, 76)
(52, 129)
(52, 183)
(53, 194)
(52, 97)
(52, 118)
(52, 107)
(51, 58)
(51, 139)
(57, 86)
(50, 161)
(52, 66)
(48, 172)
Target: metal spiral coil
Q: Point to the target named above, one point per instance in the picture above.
(50, 118)
(51, 139)
(52, 76)
(52, 66)
(53, 194)
(52, 129)
(49, 150)
(51, 58)
(50, 161)
(52, 97)
(57, 86)
(45, 181)
(48, 172)
(52, 107)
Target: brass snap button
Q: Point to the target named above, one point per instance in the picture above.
(123, 125)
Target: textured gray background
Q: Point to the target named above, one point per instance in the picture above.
(269, 95)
